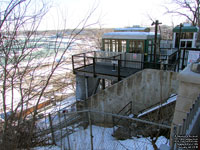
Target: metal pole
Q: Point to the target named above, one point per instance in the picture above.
(134, 119)
(73, 64)
(52, 132)
(61, 140)
(119, 63)
(67, 133)
(94, 73)
(183, 60)
(91, 136)
(84, 60)
(86, 88)
(155, 40)
(103, 84)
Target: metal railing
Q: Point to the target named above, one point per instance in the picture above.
(190, 125)
(118, 60)
(125, 111)
(183, 58)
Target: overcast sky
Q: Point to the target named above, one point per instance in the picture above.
(109, 13)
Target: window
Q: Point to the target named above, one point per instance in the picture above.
(189, 44)
(136, 46)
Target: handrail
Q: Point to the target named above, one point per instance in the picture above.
(124, 107)
(124, 60)
(137, 64)
(126, 113)
(186, 127)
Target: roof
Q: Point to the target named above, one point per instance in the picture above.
(133, 29)
(129, 35)
(186, 29)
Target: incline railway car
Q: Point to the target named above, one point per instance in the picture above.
(131, 40)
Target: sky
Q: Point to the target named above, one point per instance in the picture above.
(108, 13)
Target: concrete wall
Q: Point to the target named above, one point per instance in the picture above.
(145, 88)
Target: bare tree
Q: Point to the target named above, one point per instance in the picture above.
(188, 9)
(28, 71)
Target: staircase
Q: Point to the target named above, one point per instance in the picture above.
(63, 120)
(160, 113)
(121, 128)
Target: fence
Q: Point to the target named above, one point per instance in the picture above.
(103, 63)
(71, 133)
(190, 126)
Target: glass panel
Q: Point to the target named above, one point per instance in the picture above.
(187, 35)
(189, 44)
(107, 45)
(182, 43)
(136, 46)
(123, 46)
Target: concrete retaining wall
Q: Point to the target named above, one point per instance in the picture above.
(189, 83)
(145, 88)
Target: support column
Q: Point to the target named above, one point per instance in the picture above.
(189, 90)
(85, 87)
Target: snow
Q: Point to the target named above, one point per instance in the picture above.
(62, 105)
(103, 140)
(170, 100)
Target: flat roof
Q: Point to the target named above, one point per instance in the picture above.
(186, 29)
(133, 29)
(129, 35)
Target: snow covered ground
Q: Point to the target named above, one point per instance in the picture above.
(103, 140)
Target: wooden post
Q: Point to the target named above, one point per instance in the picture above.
(156, 23)
(91, 136)
(52, 132)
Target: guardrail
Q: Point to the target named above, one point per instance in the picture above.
(183, 56)
(128, 110)
(117, 60)
(190, 125)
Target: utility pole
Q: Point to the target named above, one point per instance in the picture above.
(179, 45)
(156, 23)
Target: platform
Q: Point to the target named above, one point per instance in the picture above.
(105, 71)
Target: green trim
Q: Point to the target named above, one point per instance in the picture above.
(186, 29)
(103, 45)
(127, 46)
(146, 44)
